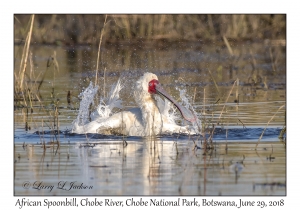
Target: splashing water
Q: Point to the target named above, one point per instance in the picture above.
(87, 98)
(103, 111)
(106, 105)
(167, 109)
(185, 102)
(88, 123)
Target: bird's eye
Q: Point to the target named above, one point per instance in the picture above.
(150, 84)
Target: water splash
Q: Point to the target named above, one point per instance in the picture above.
(87, 98)
(167, 109)
(106, 105)
(102, 112)
(105, 119)
(186, 103)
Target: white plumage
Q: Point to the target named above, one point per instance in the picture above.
(151, 117)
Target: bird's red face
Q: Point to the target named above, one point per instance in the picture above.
(155, 88)
(152, 86)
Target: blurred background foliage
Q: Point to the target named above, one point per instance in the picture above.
(73, 29)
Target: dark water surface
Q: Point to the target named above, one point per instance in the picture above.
(166, 165)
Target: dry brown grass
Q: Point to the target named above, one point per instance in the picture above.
(85, 29)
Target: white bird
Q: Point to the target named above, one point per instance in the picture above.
(147, 119)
